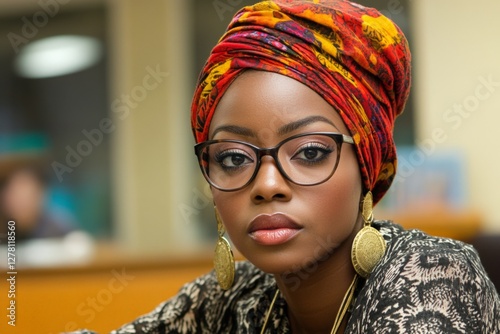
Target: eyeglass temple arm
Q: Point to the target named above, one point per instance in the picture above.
(347, 139)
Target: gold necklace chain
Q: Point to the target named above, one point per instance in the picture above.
(340, 314)
(346, 302)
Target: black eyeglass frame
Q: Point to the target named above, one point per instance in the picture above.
(339, 139)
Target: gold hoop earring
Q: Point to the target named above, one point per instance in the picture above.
(223, 258)
(368, 246)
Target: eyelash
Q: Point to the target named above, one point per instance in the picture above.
(323, 149)
(219, 157)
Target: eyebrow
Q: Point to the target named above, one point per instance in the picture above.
(287, 128)
(283, 130)
(235, 129)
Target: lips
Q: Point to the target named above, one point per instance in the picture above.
(273, 229)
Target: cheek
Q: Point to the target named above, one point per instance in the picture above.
(337, 200)
(229, 206)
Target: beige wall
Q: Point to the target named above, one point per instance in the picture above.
(153, 145)
(457, 89)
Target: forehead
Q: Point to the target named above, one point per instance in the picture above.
(265, 101)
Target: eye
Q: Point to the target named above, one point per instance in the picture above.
(312, 153)
(232, 159)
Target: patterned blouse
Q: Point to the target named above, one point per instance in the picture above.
(423, 284)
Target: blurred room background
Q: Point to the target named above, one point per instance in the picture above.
(96, 160)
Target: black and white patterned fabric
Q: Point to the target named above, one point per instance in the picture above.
(423, 284)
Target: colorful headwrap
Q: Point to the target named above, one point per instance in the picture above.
(355, 58)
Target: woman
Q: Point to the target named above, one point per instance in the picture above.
(293, 118)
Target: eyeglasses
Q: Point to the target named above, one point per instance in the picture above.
(305, 159)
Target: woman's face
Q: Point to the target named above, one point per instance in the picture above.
(276, 224)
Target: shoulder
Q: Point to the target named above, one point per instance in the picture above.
(415, 243)
(427, 281)
(421, 258)
(202, 306)
(414, 252)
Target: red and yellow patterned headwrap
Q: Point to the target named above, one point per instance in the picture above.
(354, 57)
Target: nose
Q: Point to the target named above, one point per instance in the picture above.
(269, 184)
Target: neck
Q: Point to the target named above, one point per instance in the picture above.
(315, 296)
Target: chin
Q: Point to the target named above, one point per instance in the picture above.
(289, 264)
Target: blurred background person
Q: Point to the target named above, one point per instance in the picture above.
(24, 198)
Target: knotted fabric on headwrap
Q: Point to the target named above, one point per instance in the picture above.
(355, 58)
